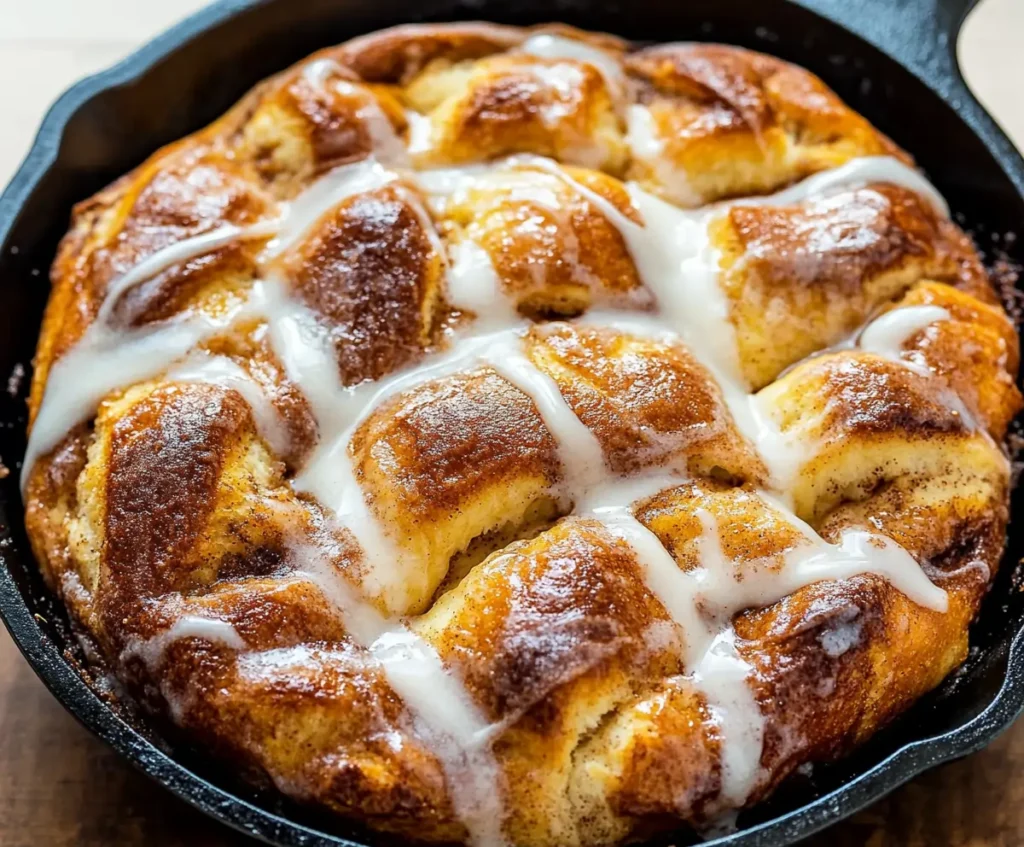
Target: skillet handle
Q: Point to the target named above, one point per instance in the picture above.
(919, 34)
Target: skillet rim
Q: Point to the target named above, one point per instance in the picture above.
(62, 679)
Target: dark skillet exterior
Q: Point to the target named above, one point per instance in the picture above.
(899, 71)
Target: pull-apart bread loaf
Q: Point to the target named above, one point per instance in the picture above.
(511, 436)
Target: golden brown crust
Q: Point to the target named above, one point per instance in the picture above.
(396, 55)
(450, 462)
(834, 660)
(736, 122)
(521, 104)
(976, 351)
(251, 351)
(170, 504)
(650, 404)
(165, 459)
(800, 277)
(554, 253)
(371, 272)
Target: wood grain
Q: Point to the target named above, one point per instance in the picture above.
(60, 787)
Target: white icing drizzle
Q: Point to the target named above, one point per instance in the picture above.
(173, 254)
(309, 359)
(105, 360)
(612, 504)
(446, 717)
(562, 74)
(703, 601)
(565, 80)
(845, 634)
(677, 262)
(675, 259)
(204, 368)
(453, 727)
(152, 650)
(710, 654)
(317, 72)
(854, 174)
(642, 135)
(723, 675)
(648, 146)
(323, 195)
(857, 552)
(387, 146)
(887, 334)
(473, 284)
(421, 132)
(310, 362)
(444, 182)
(582, 457)
(344, 408)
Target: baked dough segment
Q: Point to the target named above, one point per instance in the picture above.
(249, 349)
(732, 122)
(371, 272)
(976, 352)
(304, 709)
(515, 103)
(176, 482)
(868, 421)
(802, 277)
(185, 190)
(213, 540)
(553, 253)
(312, 118)
(550, 635)
(650, 402)
(449, 462)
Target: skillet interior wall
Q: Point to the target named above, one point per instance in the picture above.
(199, 82)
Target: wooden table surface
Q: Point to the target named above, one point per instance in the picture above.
(60, 787)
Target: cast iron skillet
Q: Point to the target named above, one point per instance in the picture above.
(893, 61)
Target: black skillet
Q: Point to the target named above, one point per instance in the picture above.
(893, 61)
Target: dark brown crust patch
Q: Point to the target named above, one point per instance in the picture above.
(839, 240)
(371, 271)
(164, 465)
(441, 445)
(872, 395)
(544, 613)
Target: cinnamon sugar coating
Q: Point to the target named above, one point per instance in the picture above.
(169, 504)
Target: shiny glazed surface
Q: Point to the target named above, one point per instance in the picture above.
(172, 506)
